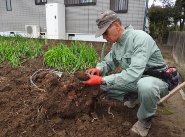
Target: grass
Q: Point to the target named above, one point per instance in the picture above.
(77, 56)
(67, 57)
(70, 58)
(164, 110)
(15, 50)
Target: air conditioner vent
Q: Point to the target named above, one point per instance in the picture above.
(32, 31)
(29, 29)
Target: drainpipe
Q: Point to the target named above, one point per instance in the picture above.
(145, 16)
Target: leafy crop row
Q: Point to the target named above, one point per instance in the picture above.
(15, 50)
(77, 56)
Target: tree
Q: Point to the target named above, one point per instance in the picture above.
(159, 22)
(163, 19)
(178, 15)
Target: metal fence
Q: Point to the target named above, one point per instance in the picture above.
(176, 39)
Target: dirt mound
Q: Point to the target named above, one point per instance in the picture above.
(64, 107)
(50, 105)
(65, 95)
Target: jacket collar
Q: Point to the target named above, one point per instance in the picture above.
(125, 33)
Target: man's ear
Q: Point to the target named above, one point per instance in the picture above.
(118, 22)
(117, 25)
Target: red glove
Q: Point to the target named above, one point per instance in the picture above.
(93, 71)
(94, 80)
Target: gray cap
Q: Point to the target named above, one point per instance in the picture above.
(104, 20)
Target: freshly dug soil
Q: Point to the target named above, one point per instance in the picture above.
(50, 105)
(53, 106)
(82, 76)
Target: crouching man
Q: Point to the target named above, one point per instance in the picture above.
(136, 52)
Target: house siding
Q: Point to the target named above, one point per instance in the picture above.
(79, 19)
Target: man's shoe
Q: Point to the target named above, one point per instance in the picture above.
(131, 103)
(140, 128)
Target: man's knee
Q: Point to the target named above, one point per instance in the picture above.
(146, 87)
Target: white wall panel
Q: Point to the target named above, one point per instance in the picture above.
(79, 19)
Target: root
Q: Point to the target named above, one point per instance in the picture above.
(109, 111)
(59, 74)
(94, 116)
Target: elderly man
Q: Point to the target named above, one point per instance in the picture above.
(136, 52)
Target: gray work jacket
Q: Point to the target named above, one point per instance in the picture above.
(135, 52)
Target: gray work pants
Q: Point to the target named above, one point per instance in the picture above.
(149, 90)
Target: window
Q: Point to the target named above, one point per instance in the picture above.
(79, 2)
(8, 5)
(40, 2)
(119, 6)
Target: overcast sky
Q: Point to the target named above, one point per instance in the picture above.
(157, 2)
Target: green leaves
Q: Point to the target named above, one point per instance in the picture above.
(77, 56)
(59, 57)
(14, 50)
(160, 22)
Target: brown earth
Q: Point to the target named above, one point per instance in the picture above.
(36, 102)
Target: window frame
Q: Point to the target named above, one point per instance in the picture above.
(115, 6)
(40, 2)
(69, 3)
(8, 5)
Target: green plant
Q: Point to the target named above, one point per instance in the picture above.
(78, 56)
(14, 50)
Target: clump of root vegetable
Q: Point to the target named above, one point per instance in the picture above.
(65, 96)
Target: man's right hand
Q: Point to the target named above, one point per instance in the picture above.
(94, 80)
(93, 71)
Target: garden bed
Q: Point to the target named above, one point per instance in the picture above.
(65, 107)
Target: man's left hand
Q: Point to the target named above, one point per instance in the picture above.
(94, 80)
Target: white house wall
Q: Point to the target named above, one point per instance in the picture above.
(24, 12)
(82, 18)
(79, 19)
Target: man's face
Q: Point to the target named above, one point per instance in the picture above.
(112, 34)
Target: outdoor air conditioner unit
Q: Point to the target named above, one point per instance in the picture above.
(33, 31)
